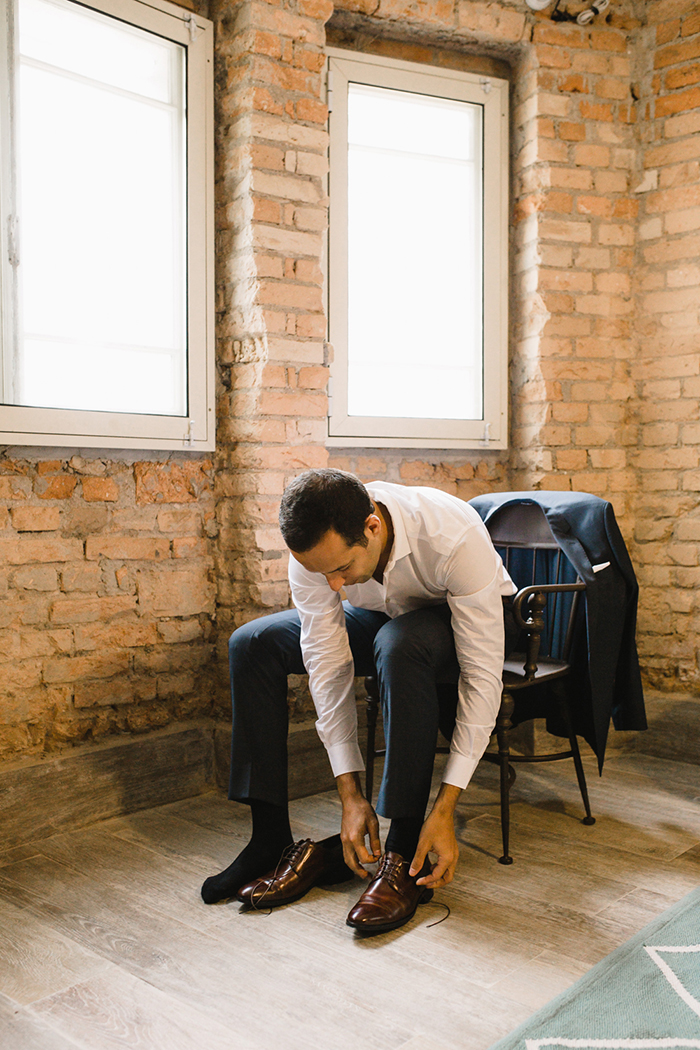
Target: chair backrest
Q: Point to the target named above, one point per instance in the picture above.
(521, 534)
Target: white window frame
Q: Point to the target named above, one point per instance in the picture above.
(20, 425)
(491, 431)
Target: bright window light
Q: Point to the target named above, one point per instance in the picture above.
(417, 255)
(101, 188)
(414, 255)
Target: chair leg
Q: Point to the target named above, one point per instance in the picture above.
(576, 755)
(372, 711)
(581, 777)
(503, 725)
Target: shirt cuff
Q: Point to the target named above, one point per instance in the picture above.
(459, 770)
(345, 758)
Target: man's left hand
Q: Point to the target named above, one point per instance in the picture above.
(438, 836)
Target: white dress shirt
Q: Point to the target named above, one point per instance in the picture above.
(441, 553)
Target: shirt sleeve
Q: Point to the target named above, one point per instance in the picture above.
(329, 664)
(475, 581)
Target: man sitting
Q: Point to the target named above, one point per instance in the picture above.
(424, 613)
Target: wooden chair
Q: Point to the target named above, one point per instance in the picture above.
(542, 623)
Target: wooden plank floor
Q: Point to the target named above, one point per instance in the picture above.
(105, 943)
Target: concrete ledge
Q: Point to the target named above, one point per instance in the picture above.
(40, 797)
(87, 784)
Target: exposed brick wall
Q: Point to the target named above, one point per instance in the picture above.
(667, 511)
(105, 597)
(575, 221)
(272, 147)
(120, 572)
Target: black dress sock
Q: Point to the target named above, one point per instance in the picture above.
(271, 836)
(403, 836)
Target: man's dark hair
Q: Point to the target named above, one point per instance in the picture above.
(319, 500)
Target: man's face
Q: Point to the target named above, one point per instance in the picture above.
(342, 565)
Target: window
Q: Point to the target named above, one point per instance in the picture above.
(107, 218)
(418, 254)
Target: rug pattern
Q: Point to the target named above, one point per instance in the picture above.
(644, 996)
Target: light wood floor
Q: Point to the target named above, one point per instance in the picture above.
(105, 943)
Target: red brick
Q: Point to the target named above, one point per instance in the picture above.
(35, 578)
(691, 25)
(170, 482)
(25, 549)
(118, 635)
(607, 40)
(96, 490)
(596, 110)
(76, 668)
(321, 9)
(14, 488)
(36, 519)
(189, 547)
(179, 593)
(266, 44)
(81, 577)
(559, 36)
(292, 403)
(587, 205)
(313, 378)
(678, 103)
(574, 84)
(114, 691)
(572, 132)
(61, 486)
(677, 78)
(671, 56)
(90, 610)
(127, 548)
(286, 293)
(609, 87)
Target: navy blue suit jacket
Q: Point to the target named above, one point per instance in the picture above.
(606, 681)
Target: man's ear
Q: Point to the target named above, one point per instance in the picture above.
(373, 522)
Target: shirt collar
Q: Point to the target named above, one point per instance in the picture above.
(400, 547)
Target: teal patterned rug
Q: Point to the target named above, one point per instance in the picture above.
(645, 996)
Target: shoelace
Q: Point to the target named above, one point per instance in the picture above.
(390, 870)
(289, 855)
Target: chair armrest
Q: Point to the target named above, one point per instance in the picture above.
(536, 598)
(535, 621)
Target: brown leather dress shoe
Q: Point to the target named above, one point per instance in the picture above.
(303, 865)
(391, 898)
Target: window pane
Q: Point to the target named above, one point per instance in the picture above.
(96, 46)
(414, 256)
(102, 215)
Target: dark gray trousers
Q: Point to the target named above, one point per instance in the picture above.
(414, 659)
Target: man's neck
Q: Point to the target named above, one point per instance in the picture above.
(387, 540)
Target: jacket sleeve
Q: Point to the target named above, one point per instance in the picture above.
(329, 664)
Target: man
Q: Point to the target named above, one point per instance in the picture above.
(424, 612)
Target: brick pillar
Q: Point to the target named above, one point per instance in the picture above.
(667, 527)
(574, 239)
(272, 214)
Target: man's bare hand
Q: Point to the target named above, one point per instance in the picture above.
(359, 821)
(438, 837)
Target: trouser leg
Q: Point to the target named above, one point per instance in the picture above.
(417, 671)
(261, 656)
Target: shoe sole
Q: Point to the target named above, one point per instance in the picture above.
(368, 931)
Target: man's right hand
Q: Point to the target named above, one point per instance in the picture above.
(359, 821)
